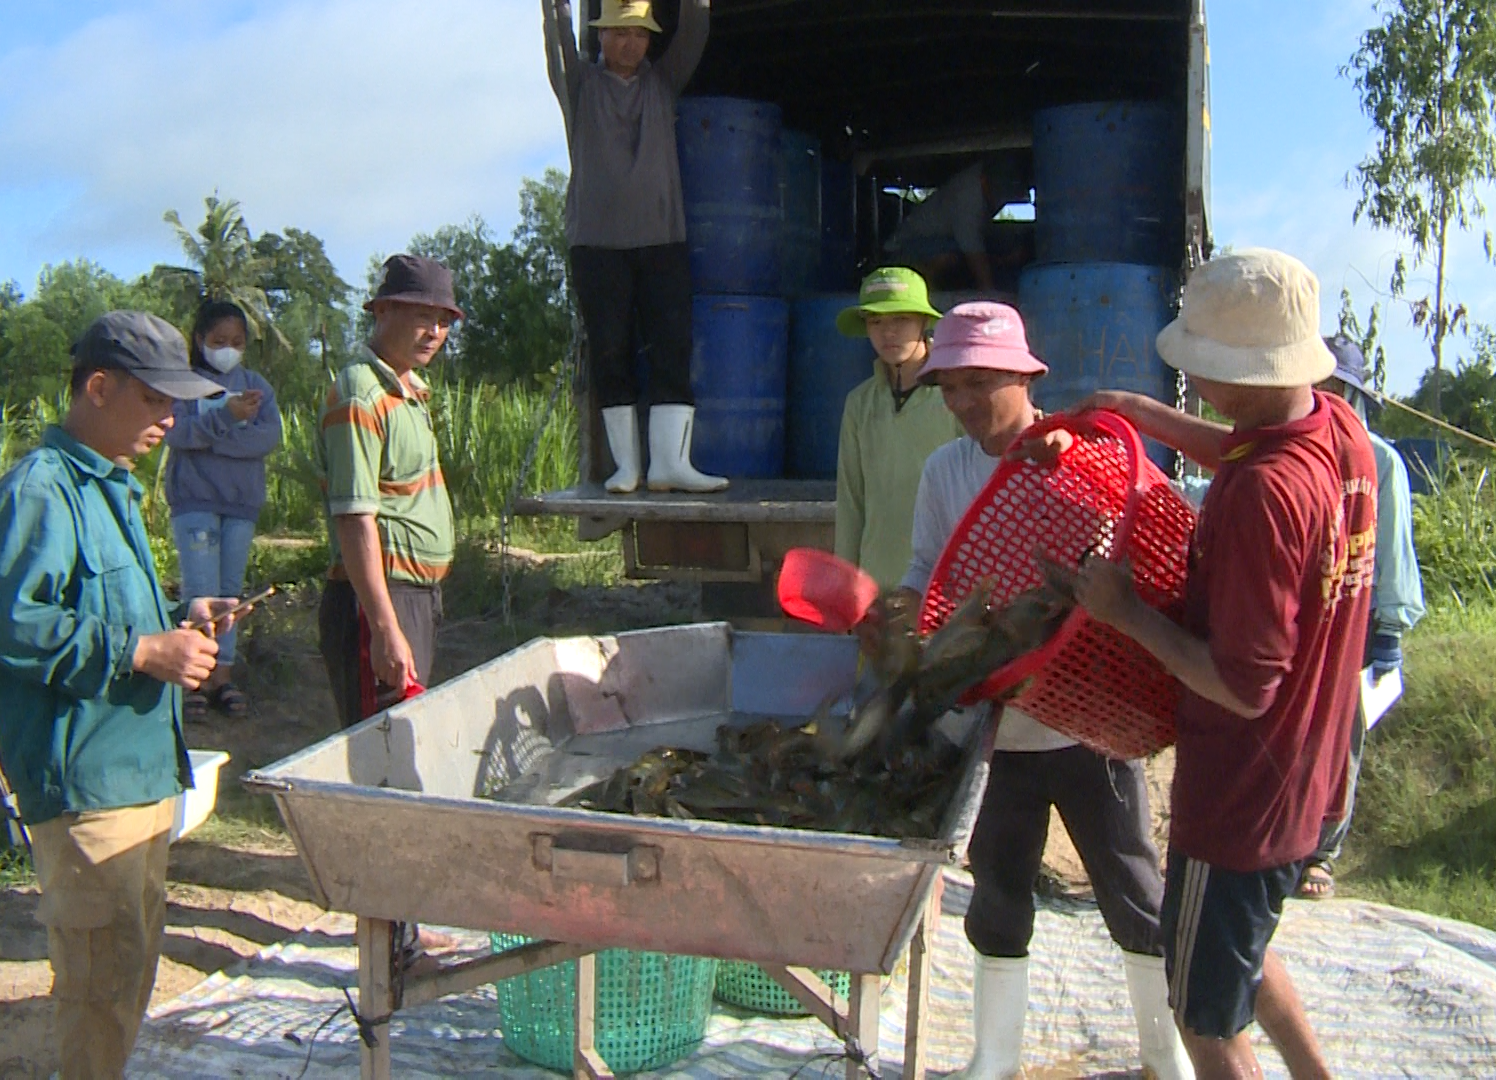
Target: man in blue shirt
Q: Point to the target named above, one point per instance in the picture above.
(91, 662)
(1396, 597)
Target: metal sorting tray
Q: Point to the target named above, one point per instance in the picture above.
(389, 822)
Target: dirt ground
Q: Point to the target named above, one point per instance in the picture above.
(243, 887)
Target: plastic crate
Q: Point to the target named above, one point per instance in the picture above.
(652, 1008)
(747, 986)
(1103, 497)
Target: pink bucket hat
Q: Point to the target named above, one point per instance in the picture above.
(981, 334)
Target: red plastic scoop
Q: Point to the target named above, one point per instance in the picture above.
(818, 588)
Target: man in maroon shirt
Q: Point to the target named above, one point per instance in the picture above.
(1275, 615)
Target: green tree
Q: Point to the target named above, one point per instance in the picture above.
(308, 303)
(36, 334)
(1427, 79)
(518, 306)
(1367, 337)
(224, 266)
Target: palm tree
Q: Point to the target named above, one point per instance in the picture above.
(224, 266)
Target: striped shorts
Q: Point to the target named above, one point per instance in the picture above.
(1216, 927)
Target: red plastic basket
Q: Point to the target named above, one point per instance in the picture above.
(1102, 497)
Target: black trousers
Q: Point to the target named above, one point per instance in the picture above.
(418, 609)
(621, 291)
(1104, 804)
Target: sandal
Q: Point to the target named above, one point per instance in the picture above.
(1317, 882)
(231, 700)
(194, 705)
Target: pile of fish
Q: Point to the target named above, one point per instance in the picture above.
(880, 771)
(769, 773)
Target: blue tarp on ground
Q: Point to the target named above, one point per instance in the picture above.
(1391, 993)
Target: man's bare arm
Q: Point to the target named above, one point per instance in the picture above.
(1200, 440)
(1106, 591)
(363, 559)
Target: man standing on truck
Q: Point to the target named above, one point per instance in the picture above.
(91, 659)
(980, 360)
(626, 226)
(1276, 608)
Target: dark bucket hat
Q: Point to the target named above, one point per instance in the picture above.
(148, 347)
(414, 279)
(1351, 367)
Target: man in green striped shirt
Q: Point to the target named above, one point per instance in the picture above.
(389, 518)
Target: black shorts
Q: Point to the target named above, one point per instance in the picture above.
(1216, 926)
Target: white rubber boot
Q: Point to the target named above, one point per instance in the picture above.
(670, 468)
(1164, 1056)
(622, 425)
(1000, 999)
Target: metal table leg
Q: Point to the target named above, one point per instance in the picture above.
(862, 1010)
(921, 948)
(587, 1064)
(376, 995)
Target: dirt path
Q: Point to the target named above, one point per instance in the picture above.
(238, 885)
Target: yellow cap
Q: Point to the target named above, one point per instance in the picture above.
(618, 14)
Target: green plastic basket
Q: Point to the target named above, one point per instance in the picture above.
(747, 986)
(652, 1008)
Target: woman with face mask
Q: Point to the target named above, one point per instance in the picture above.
(215, 482)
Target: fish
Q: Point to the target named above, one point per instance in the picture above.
(774, 773)
(896, 703)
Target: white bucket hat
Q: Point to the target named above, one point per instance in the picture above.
(1250, 318)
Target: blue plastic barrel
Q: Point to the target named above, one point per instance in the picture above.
(1425, 460)
(729, 174)
(1108, 185)
(824, 368)
(800, 190)
(838, 225)
(1095, 325)
(738, 359)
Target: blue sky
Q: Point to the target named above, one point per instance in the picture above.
(367, 121)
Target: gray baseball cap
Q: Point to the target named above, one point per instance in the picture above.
(148, 347)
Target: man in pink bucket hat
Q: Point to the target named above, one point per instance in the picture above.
(979, 357)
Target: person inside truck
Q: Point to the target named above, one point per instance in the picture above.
(1276, 609)
(945, 236)
(626, 227)
(890, 424)
(979, 358)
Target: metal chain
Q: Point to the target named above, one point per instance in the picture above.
(565, 377)
(1192, 260)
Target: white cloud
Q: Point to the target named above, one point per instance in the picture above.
(1289, 129)
(363, 121)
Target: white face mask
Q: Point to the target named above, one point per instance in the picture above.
(223, 360)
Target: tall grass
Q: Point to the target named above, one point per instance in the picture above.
(1454, 529)
(1424, 833)
(483, 432)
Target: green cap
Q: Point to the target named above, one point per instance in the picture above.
(891, 290)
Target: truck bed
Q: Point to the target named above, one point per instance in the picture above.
(798, 502)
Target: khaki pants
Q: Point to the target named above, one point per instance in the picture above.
(103, 881)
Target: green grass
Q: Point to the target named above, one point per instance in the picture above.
(15, 868)
(1424, 832)
(1454, 526)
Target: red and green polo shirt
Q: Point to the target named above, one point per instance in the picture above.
(376, 454)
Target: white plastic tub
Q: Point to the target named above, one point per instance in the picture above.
(194, 805)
